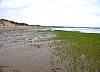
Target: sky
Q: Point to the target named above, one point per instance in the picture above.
(52, 12)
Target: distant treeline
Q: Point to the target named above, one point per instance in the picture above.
(71, 27)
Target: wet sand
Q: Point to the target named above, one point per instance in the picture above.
(26, 50)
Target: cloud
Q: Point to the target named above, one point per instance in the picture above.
(14, 8)
(0, 0)
(14, 3)
(52, 12)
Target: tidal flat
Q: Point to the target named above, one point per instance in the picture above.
(40, 50)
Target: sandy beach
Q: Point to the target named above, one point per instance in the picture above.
(24, 49)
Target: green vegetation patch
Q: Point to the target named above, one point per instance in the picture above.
(83, 48)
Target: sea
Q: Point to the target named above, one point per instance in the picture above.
(83, 30)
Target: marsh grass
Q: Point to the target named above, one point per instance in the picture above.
(83, 48)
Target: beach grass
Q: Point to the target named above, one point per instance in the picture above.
(83, 48)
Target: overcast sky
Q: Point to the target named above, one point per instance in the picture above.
(52, 12)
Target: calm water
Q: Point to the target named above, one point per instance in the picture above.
(85, 30)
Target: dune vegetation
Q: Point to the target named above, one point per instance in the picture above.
(5, 22)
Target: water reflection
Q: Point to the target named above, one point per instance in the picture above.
(84, 30)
